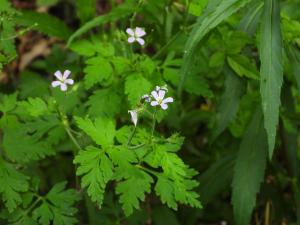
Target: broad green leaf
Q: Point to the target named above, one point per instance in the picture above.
(117, 13)
(197, 85)
(271, 72)
(164, 188)
(96, 170)
(229, 102)
(27, 148)
(243, 66)
(35, 107)
(249, 169)
(104, 102)
(135, 87)
(216, 12)
(133, 188)
(102, 130)
(13, 183)
(8, 102)
(59, 206)
(44, 23)
(98, 70)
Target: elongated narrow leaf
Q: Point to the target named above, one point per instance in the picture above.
(229, 103)
(117, 13)
(249, 170)
(271, 69)
(216, 12)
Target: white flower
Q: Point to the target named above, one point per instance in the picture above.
(135, 35)
(134, 116)
(62, 80)
(159, 99)
(147, 98)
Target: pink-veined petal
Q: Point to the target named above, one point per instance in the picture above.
(161, 94)
(164, 106)
(131, 39)
(55, 83)
(154, 103)
(66, 74)
(140, 41)
(154, 94)
(58, 75)
(139, 32)
(69, 81)
(167, 100)
(63, 87)
(130, 31)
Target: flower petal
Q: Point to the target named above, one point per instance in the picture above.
(154, 103)
(130, 31)
(139, 32)
(154, 94)
(58, 75)
(66, 74)
(134, 116)
(55, 83)
(164, 106)
(140, 41)
(131, 39)
(167, 100)
(63, 87)
(161, 94)
(69, 81)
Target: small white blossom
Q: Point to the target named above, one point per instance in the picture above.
(62, 80)
(160, 100)
(134, 116)
(147, 98)
(136, 35)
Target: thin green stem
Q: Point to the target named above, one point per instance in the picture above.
(131, 136)
(153, 123)
(73, 139)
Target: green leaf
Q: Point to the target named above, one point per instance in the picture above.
(98, 70)
(121, 11)
(13, 183)
(35, 107)
(165, 190)
(197, 85)
(102, 131)
(247, 174)
(83, 47)
(271, 72)
(96, 170)
(216, 12)
(243, 66)
(44, 23)
(133, 188)
(59, 206)
(27, 148)
(135, 87)
(8, 102)
(229, 102)
(86, 9)
(104, 102)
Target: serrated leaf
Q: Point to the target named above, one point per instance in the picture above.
(8, 102)
(197, 85)
(86, 9)
(271, 72)
(104, 102)
(102, 130)
(243, 66)
(96, 170)
(45, 23)
(135, 87)
(59, 206)
(133, 188)
(248, 175)
(165, 190)
(35, 107)
(27, 148)
(216, 12)
(98, 70)
(13, 183)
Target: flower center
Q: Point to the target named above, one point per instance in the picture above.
(159, 100)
